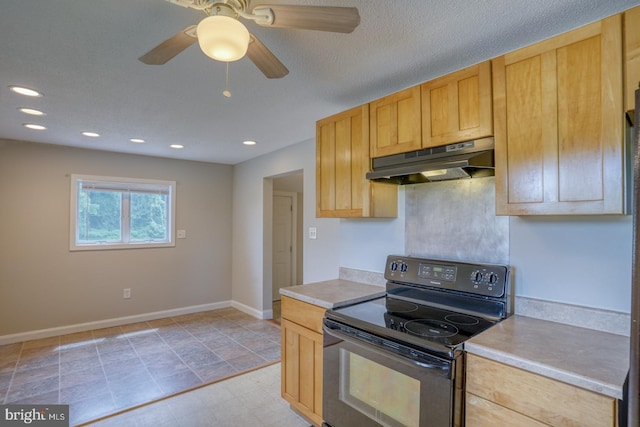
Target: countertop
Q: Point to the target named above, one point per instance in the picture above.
(333, 293)
(586, 358)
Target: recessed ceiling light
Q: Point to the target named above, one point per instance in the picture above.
(34, 126)
(176, 146)
(25, 91)
(137, 140)
(91, 134)
(31, 111)
(249, 142)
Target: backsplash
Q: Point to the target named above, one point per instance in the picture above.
(585, 317)
(456, 220)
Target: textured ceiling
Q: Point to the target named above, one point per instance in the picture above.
(83, 56)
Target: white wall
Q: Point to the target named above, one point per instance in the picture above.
(365, 243)
(581, 260)
(252, 201)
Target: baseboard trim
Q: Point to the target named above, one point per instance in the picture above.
(81, 327)
(262, 315)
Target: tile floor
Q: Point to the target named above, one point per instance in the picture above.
(103, 371)
(247, 400)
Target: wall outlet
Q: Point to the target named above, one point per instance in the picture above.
(182, 234)
(313, 233)
(127, 293)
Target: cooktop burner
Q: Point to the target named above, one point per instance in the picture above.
(398, 306)
(430, 328)
(462, 319)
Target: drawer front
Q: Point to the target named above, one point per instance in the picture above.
(549, 401)
(480, 412)
(308, 315)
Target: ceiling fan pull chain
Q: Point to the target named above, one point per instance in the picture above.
(226, 85)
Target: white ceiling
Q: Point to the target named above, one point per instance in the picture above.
(82, 55)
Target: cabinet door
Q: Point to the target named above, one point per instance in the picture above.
(631, 55)
(457, 107)
(342, 161)
(395, 123)
(559, 124)
(301, 362)
(342, 155)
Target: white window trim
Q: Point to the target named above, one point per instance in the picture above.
(73, 210)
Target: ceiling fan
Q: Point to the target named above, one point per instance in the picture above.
(223, 37)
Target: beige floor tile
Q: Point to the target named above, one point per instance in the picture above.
(134, 364)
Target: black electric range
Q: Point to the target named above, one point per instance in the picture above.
(398, 360)
(432, 305)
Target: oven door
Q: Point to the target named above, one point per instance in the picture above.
(370, 381)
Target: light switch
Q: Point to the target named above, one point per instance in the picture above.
(182, 234)
(313, 233)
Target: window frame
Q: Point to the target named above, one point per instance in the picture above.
(120, 184)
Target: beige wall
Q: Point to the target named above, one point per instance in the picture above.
(43, 285)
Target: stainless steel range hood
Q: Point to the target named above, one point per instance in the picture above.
(470, 159)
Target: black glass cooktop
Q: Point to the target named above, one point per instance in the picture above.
(419, 324)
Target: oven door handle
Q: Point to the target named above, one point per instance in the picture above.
(444, 366)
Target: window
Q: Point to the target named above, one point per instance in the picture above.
(115, 213)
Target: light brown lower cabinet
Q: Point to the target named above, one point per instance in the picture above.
(497, 394)
(301, 357)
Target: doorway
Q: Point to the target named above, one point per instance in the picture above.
(287, 219)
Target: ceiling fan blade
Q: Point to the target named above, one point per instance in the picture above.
(170, 47)
(321, 18)
(265, 60)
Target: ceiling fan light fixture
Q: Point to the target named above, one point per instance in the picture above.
(223, 38)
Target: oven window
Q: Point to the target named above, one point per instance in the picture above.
(387, 396)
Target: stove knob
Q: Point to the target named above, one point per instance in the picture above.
(476, 277)
(393, 266)
(492, 279)
(403, 267)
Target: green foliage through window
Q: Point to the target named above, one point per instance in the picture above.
(99, 216)
(148, 216)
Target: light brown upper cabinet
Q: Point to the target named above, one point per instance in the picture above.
(457, 107)
(558, 124)
(631, 55)
(395, 123)
(342, 160)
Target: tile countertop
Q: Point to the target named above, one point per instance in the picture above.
(586, 358)
(334, 293)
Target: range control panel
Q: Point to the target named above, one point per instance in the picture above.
(481, 279)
